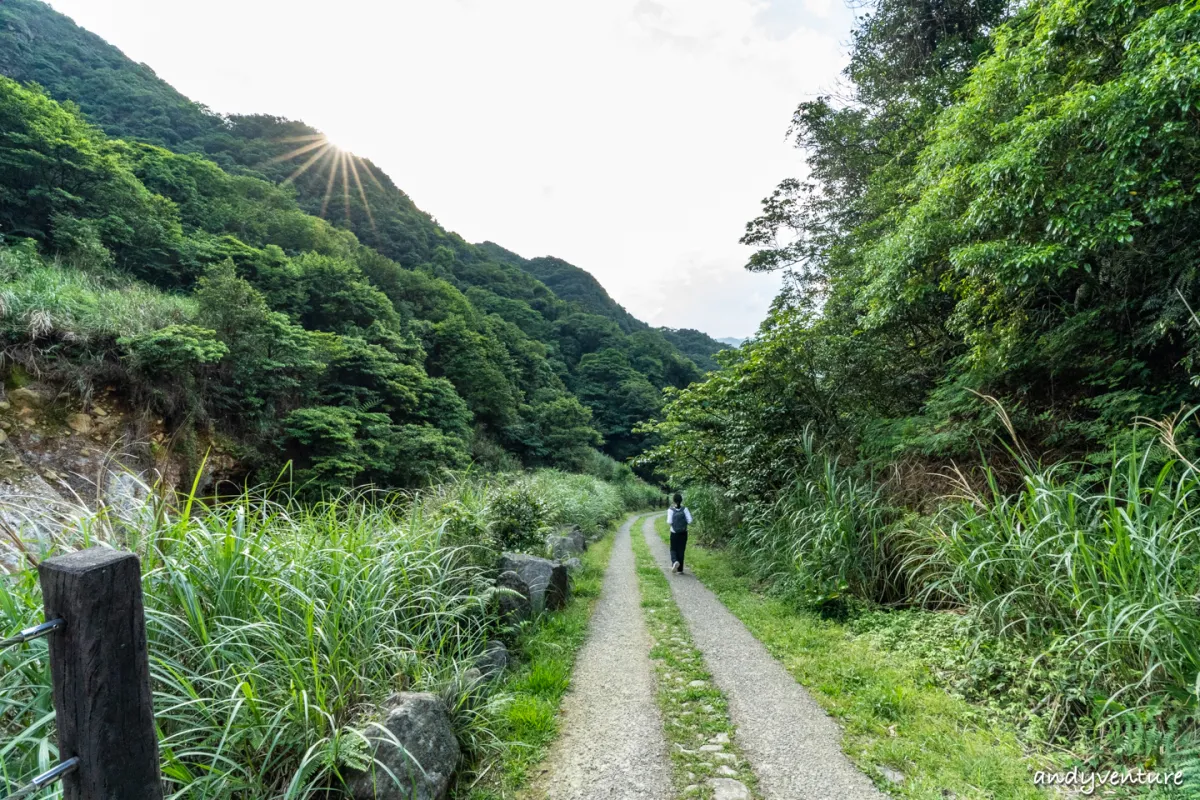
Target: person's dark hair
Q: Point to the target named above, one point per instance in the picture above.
(678, 499)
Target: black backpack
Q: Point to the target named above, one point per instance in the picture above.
(679, 520)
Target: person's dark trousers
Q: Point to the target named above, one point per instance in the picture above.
(678, 545)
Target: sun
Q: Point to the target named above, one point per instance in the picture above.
(318, 151)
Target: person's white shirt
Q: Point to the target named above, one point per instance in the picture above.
(686, 514)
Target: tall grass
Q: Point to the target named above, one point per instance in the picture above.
(587, 502)
(824, 539)
(43, 300)
(272, 629)
(1092, 574)
(1103, 576)
(276, 629)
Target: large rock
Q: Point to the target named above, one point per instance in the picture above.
(549, 585)
(564, 545)
(472, 678)
(493, 660)
(516, 605)
(728, 789)
(574, 532)
(421, 766)
(26, 398)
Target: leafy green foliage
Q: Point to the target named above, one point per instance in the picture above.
(272, 364)
(56, 169)
(1003, 210)
(479, 368)
(175, 348)
(620, 396)
(574, 285)
(696, 345)
(170, 360)
(555, 430)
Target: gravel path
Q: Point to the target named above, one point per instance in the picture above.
(612, 744)
(792, 745)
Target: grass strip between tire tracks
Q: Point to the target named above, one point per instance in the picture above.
(695, 712)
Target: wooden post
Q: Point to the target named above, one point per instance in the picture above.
(101, 671)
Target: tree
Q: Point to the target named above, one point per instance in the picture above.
(555, 430)
(478, 367)
(272, 367)
(337, 297)
(617, 411)
(172, 360)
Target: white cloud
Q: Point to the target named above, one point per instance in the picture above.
(633, 138)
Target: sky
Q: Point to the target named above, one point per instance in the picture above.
(632, 138)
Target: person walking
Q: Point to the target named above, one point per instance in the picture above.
(678, 519)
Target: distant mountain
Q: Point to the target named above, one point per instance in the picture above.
(579, 286)
(731, 341)
(570, 283)
(696, 345)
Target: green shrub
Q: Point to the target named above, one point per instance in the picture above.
(518, 518)
(637, 495)
(170, 364)
(79, 243)
(334, 447)
(604, 467)
(172, 350)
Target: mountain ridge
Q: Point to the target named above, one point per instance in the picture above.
(191, 127)
(236, 191)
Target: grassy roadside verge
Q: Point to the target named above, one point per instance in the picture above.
(895, 717)
(695, 712)
(526, 705)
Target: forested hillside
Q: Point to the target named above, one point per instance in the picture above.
(978, 388)
(243, 270)
(576, 285)
(696, 345)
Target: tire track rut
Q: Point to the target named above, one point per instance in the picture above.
(612, 745)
